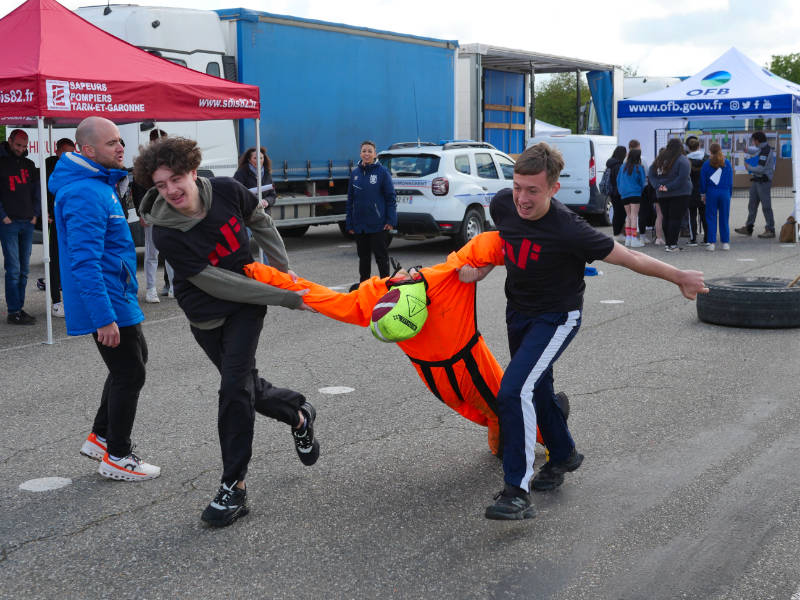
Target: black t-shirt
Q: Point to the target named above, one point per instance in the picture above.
(545, 258)
(219, 240)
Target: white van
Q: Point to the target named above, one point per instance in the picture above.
(585, 159)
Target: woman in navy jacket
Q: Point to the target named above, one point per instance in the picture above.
(716, 189)
(371, 211)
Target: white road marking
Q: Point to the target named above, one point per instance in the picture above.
(789, 246)
(45, 484)
(612, 301)
(746, 259)
(345, 246)
(342, 389)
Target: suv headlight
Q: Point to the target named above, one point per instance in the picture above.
(440, 186)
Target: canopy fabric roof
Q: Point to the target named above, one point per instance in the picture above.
(64, 68)
(731, 86)
(497, 57)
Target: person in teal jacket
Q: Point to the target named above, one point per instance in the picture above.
(98, 282)
(631, 180)
(716, 187)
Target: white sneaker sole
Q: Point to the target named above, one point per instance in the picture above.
(119, 474)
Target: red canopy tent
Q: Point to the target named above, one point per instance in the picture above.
(64, 69)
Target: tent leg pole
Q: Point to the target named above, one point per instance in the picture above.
(45, 244)
(258, 173)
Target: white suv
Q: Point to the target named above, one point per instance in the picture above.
(445, 188)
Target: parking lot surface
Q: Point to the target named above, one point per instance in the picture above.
(689, 488)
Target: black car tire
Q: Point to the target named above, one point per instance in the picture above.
(294, 232)
(753, 302)
(472, 225)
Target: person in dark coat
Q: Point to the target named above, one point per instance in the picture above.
(614, 163)
(371, 211)
(246, 174)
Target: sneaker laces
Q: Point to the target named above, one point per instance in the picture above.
(301, 438)
(225, 493)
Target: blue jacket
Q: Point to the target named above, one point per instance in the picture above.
(725, 185)
(370, 199)
(97, 254)
(677, 180)
(631, 185)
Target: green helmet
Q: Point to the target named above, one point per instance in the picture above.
(401, 312)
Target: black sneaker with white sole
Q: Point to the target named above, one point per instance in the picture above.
(551, 475)
(305, 444)
(511, 503)
(229, 504)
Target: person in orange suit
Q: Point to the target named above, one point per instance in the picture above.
(449, 353)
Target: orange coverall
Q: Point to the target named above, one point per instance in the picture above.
(449, 353)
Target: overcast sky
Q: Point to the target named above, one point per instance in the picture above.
(657, 38)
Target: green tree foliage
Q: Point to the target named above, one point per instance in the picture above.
(556, 99)
(786, 66)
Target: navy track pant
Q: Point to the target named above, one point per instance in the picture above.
(526, 393)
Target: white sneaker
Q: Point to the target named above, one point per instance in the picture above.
(127, 468)
(637, 242)
(628, 241)
(171, 293)
(58, 309)
(658, 242)
(726, 246)
(152, 296)
(710, 247)
(93, 447)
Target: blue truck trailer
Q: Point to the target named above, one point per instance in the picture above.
(325, 87)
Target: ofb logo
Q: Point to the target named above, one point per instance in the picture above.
(58, 95)
(716, 79)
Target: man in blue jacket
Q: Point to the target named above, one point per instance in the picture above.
(371, 211)
(98, 282)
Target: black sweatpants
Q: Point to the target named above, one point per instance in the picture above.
(674, 209)
(55, 271)
(368, 244)
(126, 375)
(242, 393)
(618, 222)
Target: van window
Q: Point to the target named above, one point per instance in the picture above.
(462, 163)
(485, 166)
(506, 166)
(177, 61)
(410, 165)
(212, 68)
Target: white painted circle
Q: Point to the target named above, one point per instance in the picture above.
(44, 484)
(746, 259)
(612, 301)
(788, 245)
(340, 389)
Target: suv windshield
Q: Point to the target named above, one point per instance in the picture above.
(410, 165)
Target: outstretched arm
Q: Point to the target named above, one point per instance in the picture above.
(355, 307)
(690, 282)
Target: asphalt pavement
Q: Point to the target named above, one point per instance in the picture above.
(689, 488)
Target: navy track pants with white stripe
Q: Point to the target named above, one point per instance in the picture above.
(526, 392)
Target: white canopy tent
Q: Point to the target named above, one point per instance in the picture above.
(542, 128)
(733, 86)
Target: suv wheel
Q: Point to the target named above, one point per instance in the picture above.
(472, 225)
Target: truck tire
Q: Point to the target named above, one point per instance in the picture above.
(472, 225)
(753, 302)
(293, 232)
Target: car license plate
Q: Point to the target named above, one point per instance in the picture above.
(404, 199)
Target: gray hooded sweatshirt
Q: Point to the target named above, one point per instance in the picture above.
(221, 283)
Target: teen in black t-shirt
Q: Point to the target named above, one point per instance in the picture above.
(546, 248)
(200, 225)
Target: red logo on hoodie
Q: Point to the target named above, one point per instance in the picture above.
(227, 231)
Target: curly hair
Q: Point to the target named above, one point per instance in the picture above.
(180, 155)
(538, 158)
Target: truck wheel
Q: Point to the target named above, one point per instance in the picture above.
(754, 302)
(472, 225)
(293, 232)
(345, 233)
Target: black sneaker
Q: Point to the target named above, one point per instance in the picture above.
(692, 243)
(20, 318)
(746, 230)
(551, 475)
(354, 287)
(511, 504)
(40, 283)
(229, 504)
(305, 444)
(562, 401)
